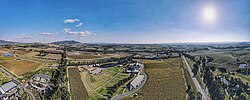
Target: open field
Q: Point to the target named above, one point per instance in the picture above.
(19, 67)
(3, 78)
(224, 58)
(165, 80)
(4, 50)
(77, 88)
(98, 83)
(50, 58)
(91, 55)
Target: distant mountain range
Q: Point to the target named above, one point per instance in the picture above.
(3, 42)
(65, 42)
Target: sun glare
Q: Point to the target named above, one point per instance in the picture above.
(209, 14)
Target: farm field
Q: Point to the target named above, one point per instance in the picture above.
(4, 50)
(18, 67)
(90, 55)
(165, 80)
(226, 59)
(50, 58)
(77, 88)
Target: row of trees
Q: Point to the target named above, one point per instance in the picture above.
(99, 61)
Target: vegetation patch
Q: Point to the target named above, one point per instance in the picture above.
(19, 67)
(165, 80)
(77, 88)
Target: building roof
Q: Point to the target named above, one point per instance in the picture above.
(7, 86)
(243, 65)
(137, 80)
(8, 54)
(224, 81)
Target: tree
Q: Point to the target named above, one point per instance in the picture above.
(199, 96)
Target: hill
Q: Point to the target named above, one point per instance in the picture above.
(65, 42)
(3, 42)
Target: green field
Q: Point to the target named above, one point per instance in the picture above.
(3, 78)
(77, 88)
(96, 84)
(165, 81)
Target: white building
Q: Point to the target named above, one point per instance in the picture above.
(8, 90)
(243, 65)
(136, 82)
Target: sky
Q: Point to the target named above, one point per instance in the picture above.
(125, 21)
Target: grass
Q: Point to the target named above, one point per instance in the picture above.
(3, 78)
(19, 67)
(77, 88)
(85, 55)
(189, 80)
(46, 71)
(165, 80)
(32, 56)
(245, 79)
(99, 82)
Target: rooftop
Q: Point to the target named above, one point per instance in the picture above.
(7, 86)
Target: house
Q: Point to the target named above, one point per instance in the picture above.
(136, 82)
(8, 90)
(224, 81)
(133, 68)
(242, 65)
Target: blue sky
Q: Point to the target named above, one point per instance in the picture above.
(124, 21)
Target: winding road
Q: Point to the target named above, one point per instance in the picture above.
(205, 95)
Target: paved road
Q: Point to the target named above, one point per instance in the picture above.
(133, 91)
(14, 78)
(205, 96)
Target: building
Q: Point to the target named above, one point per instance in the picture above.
(9, 90)
(136, 82)
(224, 81)
(133, 68)
(242, 65)
(8, 55)
(96, 71)
(40, 82)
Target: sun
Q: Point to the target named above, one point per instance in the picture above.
(209, 14)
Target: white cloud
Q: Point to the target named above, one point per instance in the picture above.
(25, 37)
(80, 24)
(47, 34)
(79, 33)
(71, 20)
(22, 38)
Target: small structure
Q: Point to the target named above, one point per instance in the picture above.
(133, 68)
(8, 90)
(224, 81)
(136, 82)
(95, 71)
(8, 55)
(236, 87)
(242, 65)
(40, 82)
